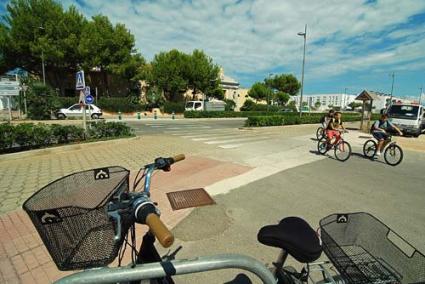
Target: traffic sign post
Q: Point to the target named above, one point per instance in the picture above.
(80, 82)
(88, 100)
(9, 87)
(80, 85)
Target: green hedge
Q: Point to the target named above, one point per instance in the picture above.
(216, 114)
(177, 107)
(25, 136)
(290, 119)
(126, 104)
(270, 120)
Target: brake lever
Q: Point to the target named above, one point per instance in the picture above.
(117, 218)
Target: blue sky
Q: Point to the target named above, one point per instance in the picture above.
(352, 44)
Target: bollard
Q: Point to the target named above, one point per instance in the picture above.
(119, 115)
(155, 115)
(138, 115)
(173, 115)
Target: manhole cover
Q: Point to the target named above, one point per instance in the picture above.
(189, 198)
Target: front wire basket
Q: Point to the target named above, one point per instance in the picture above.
(70, 215)
(365, 250)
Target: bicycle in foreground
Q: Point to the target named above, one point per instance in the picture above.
(87, 219)
(342, 149)
(393, 154)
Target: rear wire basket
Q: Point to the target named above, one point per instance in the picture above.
(365, 250)
(70, 215)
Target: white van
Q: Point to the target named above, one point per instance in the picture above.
(212, 105)
(408, 117)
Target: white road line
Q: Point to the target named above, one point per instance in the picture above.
(230, 146)
(157, 126)
(210, 133)
(212, 138)
(235, 140)
(191, 129)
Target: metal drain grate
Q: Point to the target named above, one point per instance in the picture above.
(189, 198)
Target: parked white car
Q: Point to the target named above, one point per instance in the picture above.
(77, 111)
(212, 105)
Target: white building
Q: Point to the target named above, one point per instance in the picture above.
(326, 100)
(232, 90)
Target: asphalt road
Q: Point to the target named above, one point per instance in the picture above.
(149, 127)
(395, 195)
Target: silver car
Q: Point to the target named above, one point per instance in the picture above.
(77, 111)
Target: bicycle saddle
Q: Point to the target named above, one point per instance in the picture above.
(293, 235)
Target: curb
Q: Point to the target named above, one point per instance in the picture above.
(60, 149)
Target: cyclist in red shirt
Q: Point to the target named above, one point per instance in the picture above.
(334, 126)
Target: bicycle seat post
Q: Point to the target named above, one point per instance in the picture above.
(278, 265)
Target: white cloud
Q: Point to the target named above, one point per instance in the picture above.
(259, 35)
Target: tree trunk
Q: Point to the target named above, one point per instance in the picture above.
(105, 81)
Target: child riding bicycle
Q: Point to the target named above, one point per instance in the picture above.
(333, 128)
(325, 119)
(380, 130)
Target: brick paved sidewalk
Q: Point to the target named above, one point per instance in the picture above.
(22, 174)
(23, 257)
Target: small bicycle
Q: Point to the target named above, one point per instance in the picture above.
(321, 130)
(87, 219)
(342, 149)
(393, 154)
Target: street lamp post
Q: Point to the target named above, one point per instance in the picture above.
(24, 89)
(303, 34)
(268, 94)
(42, 58)
(392, 88)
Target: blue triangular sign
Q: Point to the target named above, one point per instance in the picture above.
(80, 84)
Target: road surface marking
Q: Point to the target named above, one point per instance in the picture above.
(235, 140)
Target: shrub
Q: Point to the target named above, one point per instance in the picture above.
(41, 101)
(42, 135)
(24, 134)
(291, 119)
(7, 135)
(250, 105)
(216, 114)
(230, 105)
(66, 133)
(125, 104)
(177, 107)
(109, 129)
(28, 135)
(272, 120)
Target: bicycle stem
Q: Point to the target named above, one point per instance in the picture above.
(148, 177)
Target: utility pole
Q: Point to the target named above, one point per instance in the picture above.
(42, 65)
(304, 34)
(392, 88)
(268, 94)
(420, 95)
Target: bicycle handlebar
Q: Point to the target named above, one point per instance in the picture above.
(160, 230)
(145, 210)
(178, 158)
